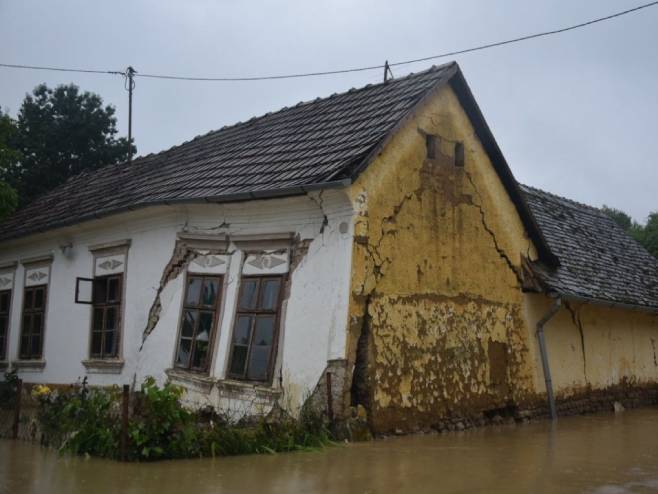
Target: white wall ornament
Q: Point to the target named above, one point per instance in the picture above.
(37, 276)
(266, 263)
(110, 264)
(6, 281)
(209, 264)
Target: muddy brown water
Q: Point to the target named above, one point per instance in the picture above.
(602, 454)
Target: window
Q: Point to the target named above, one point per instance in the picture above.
(5, 305)
(202, 295)
(459, 154)
(106, 316)
(255, 331)
(34, 312)
(430, 144)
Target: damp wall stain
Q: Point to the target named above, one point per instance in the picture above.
(436, 262)
(439, 324)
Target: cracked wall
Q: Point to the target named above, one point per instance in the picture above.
(435, 279)
(591, 347)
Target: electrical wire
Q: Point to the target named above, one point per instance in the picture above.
(349, 70)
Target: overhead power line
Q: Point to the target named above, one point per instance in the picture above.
(349, 70)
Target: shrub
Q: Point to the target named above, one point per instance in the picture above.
(83, 420)
(8, 390)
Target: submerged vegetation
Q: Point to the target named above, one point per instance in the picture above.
(83, 420)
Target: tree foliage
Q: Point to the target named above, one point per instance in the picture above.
(9, 158)
(59, 133)
(647, 234)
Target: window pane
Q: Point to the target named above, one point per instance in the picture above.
(210, 291)
(98, 320)
(183, 357)
(189, 321)
(238, 360)
(248, 293)
(269, 294)
(111, 318)
(37, 320)
(3, 326)
(29, 296)
(99, 295)
(4, 302)
(96, 337)
(200, 354)
(36, 345)
(25, 345)
(242, 330)
(109, 349)
(193, 291)
(39, 298)
(205, 326)
(264, 331)
(259, 363)
(114, 290)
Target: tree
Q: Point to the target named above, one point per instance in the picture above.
(646, 235)
(9, 158)
(60, 133)
(650, 240)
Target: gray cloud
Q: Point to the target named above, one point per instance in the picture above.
(574, 114)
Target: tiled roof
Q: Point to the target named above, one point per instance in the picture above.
(311, 143)
(598, 259)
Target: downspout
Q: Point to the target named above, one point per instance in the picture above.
(557, 303)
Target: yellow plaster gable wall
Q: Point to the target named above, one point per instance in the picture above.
(591, 346)
(436, 313)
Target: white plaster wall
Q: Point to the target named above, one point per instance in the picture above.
(315, 314)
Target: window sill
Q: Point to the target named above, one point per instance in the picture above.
(103, 366)
(182, 377)
(259, 389)
(29, 365)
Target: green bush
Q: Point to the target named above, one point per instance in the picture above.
(8, 390)
(80, 420)
(83, 420)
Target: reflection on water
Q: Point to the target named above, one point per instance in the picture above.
(602, 454)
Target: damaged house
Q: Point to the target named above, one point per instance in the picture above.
(372, 248)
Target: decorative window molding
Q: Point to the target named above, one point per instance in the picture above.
(258, 243)
(207, 263)
(37, 275)
(9, 265)
(111, 264)
(36, 365)
(103, 366)
(7, 280)
(269, 262)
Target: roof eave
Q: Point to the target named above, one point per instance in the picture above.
(472, 109)
(222, 199)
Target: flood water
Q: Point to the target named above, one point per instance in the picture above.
(603, 454)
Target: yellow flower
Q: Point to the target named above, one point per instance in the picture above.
(40, 390)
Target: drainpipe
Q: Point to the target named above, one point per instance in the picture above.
(557, 303)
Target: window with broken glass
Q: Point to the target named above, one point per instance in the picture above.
(253, 345)
(32, 323)
(5, 305)
(198, 320)
(106, 316)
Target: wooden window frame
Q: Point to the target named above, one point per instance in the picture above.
(4, 338)
(31, 312)
(117, 305)
(283, 278)
(215, 309)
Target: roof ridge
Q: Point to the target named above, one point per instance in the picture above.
(252, 120)
(569, 202)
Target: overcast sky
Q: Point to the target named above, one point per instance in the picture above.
(575, 114)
